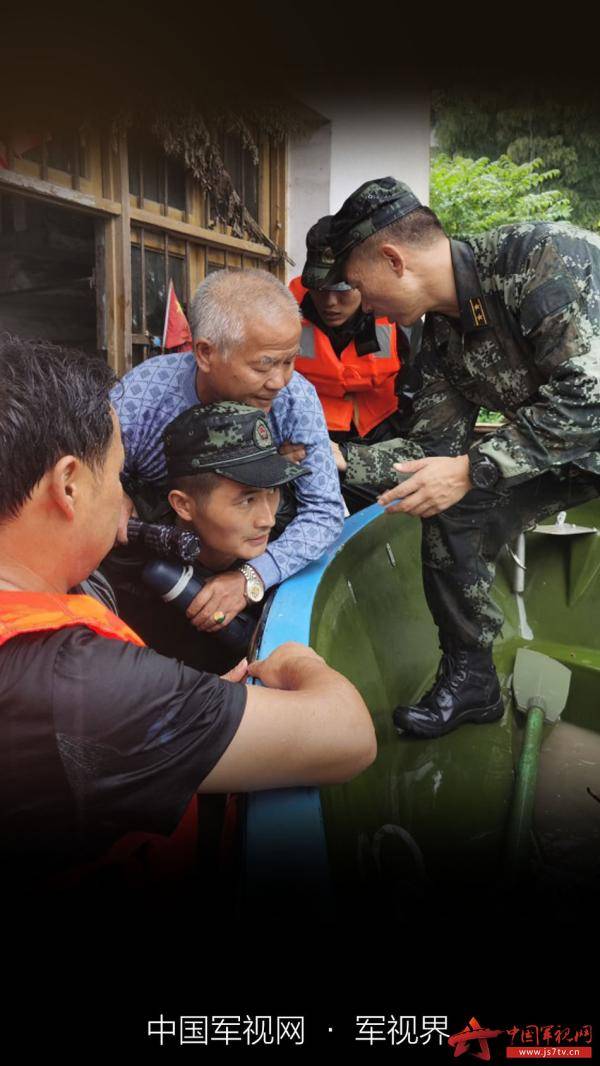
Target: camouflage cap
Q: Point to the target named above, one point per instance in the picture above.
(373, 206)
(319, 257)
(230, 439)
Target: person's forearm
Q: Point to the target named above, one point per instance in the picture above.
(325, 712)
(317, 733)
(307, 672)
(340, 703)
(303, 674)
(373, 464)
(343, 727)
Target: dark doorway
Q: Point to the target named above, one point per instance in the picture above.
(47, 276)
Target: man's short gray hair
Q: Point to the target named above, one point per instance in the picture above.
(227, 301)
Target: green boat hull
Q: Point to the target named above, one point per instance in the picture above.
(436, 810)
(431, 816)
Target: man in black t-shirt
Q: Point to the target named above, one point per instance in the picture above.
(100, 737)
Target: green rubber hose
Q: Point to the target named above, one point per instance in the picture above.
(521, 814)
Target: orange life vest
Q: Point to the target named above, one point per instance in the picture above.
(352, 388)
(142, 857)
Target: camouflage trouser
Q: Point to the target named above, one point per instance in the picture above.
(460, 547)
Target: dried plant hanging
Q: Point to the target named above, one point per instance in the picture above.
(194, 135)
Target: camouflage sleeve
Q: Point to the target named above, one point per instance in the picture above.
(372, 464)
(562, 427)
(559, 312)
(442, 423)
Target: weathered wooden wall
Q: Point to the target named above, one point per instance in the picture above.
(67, 275)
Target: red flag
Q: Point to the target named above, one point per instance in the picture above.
(177, 333)
(20, 144)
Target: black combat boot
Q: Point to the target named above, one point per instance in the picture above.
(466, 689)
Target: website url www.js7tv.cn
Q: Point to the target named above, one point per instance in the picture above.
(548, 1052)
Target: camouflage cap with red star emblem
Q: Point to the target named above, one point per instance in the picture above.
(227, 438)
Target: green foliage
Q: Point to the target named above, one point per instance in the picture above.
(486, 418)
(473, 195)
(562, 128)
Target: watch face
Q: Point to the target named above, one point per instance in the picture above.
(484, 474)
(254, 587)
(254, 591)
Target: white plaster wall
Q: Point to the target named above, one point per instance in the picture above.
(308, 191)
(362, 137)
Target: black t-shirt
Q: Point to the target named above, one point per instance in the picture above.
(98, 738)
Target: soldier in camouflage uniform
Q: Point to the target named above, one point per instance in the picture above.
(512, 322)
(224, 473)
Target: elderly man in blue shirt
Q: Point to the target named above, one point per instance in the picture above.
(246, 333)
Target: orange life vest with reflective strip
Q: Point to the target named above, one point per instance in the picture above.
(143, 858)
(352, 388)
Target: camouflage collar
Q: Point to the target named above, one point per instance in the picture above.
(474, 315)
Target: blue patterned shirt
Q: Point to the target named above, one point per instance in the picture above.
(154, 393)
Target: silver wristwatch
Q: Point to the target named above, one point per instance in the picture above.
(255, 589)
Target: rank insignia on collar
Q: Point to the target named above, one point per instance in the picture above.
(478, 311)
